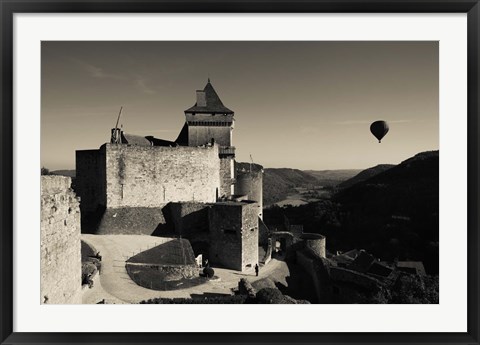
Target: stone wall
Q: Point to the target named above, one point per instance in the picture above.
(344, 275)
(135, 221)
(234, 235)
(189, 218)
(124, 188)
(249, 235)
(61, 264)
(143, 176)
(161, 277)
(318, 270)
(90, 179)
(226, 177)
(263, 233)
(225, 221)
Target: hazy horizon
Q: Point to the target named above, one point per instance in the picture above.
(302, 105)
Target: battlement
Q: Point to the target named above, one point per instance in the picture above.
(52, 184)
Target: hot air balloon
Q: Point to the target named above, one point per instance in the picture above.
(379, 129)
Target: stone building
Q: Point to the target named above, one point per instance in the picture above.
(234, 234)
(137, 185)
(123, 184)
(209, 120)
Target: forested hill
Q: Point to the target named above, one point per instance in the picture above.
(401, 187)
(365, 175)
(396, 213)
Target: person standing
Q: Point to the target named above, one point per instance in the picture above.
(256, 270)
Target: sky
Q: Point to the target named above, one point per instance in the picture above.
(304, 105)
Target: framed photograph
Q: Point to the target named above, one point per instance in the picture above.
(240, 172)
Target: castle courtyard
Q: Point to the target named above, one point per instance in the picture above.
(115, 286)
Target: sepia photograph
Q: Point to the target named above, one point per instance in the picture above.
(239, 172)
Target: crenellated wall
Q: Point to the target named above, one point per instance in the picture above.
(61, 263)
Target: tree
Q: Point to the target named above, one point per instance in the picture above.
(410, 288)
(44, 171)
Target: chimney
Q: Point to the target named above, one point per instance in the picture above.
(201, 99)
(116, 136)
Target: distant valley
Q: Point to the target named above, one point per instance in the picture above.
(296, 187)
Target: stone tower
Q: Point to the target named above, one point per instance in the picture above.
(209, 120)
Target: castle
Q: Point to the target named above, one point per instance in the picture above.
(191, 187)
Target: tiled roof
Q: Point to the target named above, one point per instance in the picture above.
(135, 140)
(160, 142)
(182, 138)
(213, 103)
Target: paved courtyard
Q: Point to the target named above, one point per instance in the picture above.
(115, 286)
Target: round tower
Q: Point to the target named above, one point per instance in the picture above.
(249, 182)
(316, 243)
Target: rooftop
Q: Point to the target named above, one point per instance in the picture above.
(211, 104)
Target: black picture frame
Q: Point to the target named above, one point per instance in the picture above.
(9, 8)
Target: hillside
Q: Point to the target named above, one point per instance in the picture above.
(293, 177)
(365, 175)
(68, 173)
(332, 178)
(394, 214)
(279, 183)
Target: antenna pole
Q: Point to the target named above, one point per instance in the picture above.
(117, 137)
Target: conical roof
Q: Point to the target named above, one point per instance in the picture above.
(213, 103)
